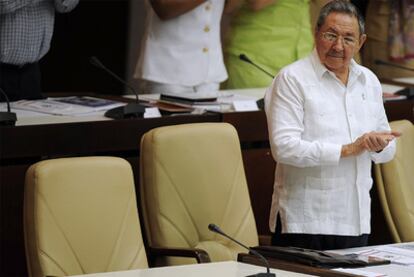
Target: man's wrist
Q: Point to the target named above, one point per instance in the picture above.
(347, 150)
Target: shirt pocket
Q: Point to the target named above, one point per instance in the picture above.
(320, 118)
(326, 199)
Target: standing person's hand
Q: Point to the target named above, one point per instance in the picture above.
(372, 142)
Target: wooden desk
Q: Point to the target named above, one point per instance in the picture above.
(22, 146)
(391, 270)
(397, 110)
(289, 266)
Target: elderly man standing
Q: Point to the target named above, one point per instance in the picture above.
(26, 29)
(326, 124)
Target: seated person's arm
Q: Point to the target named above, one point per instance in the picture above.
(64, 6)
(167, 9)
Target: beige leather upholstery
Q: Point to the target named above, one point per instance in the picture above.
(80, 216)
(395, 182)
(193, 175)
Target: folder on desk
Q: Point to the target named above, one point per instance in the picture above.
(315, 257)
(190, 97)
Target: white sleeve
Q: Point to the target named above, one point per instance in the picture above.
(284, 104)
(388, 152)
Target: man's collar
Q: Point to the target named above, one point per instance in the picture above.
(355, 70)
(320, 69)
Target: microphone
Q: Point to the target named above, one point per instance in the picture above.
(131, 110)
(7, 118)
(214, 228)
(244, 58)
(409, 91)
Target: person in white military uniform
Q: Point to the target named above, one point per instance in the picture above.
(181, 49)
(326, 124)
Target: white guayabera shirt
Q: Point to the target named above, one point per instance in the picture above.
(185, 50)
(310, 115)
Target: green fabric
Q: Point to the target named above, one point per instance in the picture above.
(273, 37)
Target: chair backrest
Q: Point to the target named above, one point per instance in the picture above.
(80, 216)
(395, 184)
(193, 175)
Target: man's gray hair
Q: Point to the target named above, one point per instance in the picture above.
(340, 6)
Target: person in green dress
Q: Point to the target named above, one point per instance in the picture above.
(272, 33)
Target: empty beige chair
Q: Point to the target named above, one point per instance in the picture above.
(80, 216)
(395, 182)
(193, 175)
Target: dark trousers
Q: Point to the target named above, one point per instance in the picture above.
(20, 82)
(316, 242)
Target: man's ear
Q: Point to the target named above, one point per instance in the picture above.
(362, 40)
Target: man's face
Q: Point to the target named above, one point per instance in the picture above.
(337, 41)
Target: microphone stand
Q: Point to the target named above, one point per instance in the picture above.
(243, 57)
(246, 59)
(7, 118)
(214, 228)
(131, 110)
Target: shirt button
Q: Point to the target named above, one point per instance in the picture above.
(207, 29)
(205, 49)
(208, 7)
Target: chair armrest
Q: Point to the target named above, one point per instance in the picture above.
(200, 255)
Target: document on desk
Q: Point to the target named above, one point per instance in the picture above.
(407, 80)
(360, 272)
(398, 254)
(225, 102)
(388, 88)
(66, 105)
(390, 92)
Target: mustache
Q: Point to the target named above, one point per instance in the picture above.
(336, 54)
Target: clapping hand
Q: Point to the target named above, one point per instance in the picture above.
(372, 142)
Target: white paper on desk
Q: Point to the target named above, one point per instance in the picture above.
(390, 88)
(145, 97)
(152, 112)
(407, 80)
(21, 113)
(49, 106)
(229, 98)
(245, 105)
(389, 253)
(389, 92)
(360, 272)
(402, 250)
